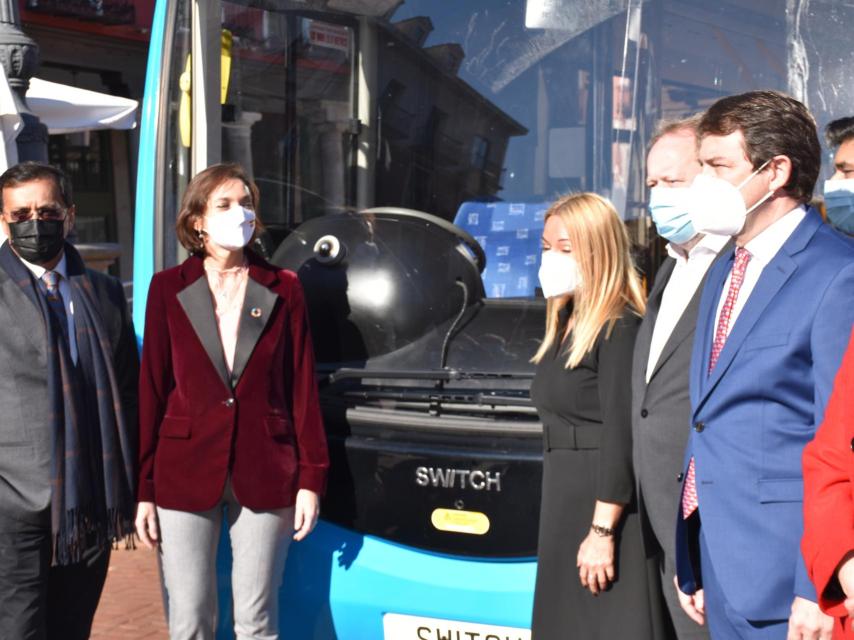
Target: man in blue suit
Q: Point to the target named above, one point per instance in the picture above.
(774, 317)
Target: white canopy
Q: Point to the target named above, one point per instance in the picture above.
(10, 126)
(63, 109)
(66, 109)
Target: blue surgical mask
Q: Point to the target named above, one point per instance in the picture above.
(671, 213)
(839, 204)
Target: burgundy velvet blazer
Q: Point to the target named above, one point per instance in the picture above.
(198, 424)
(829, 496)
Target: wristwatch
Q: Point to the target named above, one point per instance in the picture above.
(599, 530)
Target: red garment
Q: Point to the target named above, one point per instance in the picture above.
(829, 496)
(195, 429)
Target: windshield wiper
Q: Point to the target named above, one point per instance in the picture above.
(437, 375)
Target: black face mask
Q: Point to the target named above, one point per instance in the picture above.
(37, 241)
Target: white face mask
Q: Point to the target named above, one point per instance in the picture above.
(559, 274)
(718, 207)
(231, 229)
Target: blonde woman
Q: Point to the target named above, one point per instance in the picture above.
(593, 579)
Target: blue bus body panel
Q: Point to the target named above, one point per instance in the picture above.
(338, 584)
(144, 227)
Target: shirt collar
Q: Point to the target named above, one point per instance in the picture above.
(708, 244)
(766, 245)
(38, 271)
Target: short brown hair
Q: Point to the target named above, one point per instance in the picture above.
(773, 124)
(195, 202)
(666, 127)
(836, 132)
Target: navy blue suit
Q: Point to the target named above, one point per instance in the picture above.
(753, 415)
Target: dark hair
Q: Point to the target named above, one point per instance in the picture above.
(839, 131)
(25, 172)
(666, 127)
(195, 202)
(773, 124)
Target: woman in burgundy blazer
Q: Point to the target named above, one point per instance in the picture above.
(229, 413)
(828, 542)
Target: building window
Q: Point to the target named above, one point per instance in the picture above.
(479, 152)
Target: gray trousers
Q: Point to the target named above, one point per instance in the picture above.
(259, 545)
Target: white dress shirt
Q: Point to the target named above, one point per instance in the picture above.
(762, 250)
(65, 291)
(684, 280)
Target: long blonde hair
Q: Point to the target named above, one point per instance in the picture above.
(609, 280)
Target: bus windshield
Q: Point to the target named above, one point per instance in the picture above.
(482, 112)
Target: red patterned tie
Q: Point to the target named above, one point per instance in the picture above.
(742, 257)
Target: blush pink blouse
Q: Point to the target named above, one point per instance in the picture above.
(228, 288)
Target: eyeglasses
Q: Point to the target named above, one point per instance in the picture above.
(42, 213)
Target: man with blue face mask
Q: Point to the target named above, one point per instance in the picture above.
(774, 318)
(839, 189)
(660, 405)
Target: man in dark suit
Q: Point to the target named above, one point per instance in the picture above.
(660, 404)
(773, 322)
(67, 415)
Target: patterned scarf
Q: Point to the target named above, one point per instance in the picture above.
(94, 454)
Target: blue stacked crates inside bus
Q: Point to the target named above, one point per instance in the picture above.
(509, 233)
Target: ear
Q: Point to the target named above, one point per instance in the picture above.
(781, 168)
(70, 217)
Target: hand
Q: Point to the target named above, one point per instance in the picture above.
(596, 562)
(306, 510)
(845, 575)
(807, 622)
(146, 524)
(693, 605)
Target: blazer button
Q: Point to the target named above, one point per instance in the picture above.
(229, 403)
(699, 427)
(852, 444)
(644, 413)
(680, 477)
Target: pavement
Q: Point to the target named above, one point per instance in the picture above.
(131, 605)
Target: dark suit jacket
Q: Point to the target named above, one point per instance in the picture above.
(829, 496)
(755, 412)
(661, 414)
(262, 425)
(26, 444)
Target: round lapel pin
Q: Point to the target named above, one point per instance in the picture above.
(255, 312)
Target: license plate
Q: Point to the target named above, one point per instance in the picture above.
(400, 627)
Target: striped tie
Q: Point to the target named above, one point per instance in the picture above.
(55, 301)
(742, 257)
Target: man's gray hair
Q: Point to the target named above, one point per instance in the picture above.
(666, 127)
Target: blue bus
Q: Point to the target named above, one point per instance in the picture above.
(405, 153)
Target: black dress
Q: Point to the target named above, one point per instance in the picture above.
(587, 456)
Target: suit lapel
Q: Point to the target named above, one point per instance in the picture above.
(197, 304)
(688, 321)
(774, 276)
(711, 293)
(25, 310)
(644, 338)
(257, 308)
(683, 329)
(18, 290)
